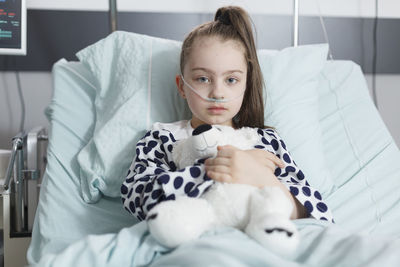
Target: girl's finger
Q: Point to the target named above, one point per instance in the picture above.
(226, 151)
(226, 147)
(219, 169)
(270, 165)
(278, 162)
(219, 177)
(217, 161)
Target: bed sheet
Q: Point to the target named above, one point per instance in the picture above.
(62, 216)
(70, 232)
(363, 157)
(321, 245)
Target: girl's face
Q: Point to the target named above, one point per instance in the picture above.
(218, 69)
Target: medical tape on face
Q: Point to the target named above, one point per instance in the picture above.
(208, 98)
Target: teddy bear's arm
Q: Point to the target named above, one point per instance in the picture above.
(293, 178)
(153, 177)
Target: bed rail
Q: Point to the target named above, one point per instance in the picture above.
(23, 179)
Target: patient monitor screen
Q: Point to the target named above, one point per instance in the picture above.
(12, 27)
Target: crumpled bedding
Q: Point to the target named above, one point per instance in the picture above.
(321, 245)
(365, 166)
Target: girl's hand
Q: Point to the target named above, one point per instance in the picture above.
(253, 167)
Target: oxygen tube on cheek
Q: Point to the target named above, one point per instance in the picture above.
(215, 100)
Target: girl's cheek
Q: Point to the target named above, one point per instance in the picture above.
(194, 102)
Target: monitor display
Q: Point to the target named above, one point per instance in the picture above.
(12, 27)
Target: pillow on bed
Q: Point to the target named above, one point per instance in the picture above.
(136, 87)
(291, 78)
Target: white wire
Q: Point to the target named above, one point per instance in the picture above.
(374, 59)
(21, 98)
(324, 29)
(148, 116)
(295, 23)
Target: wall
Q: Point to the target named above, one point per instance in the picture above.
(337, 8)
(37, 91)
(349, 25)
(388, 95)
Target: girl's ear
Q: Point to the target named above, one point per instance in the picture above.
(179, 85)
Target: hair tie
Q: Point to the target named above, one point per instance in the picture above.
(223, 17)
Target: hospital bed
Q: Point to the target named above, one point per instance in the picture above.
(103, 103)
(20, 193)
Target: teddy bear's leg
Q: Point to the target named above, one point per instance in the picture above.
(270, 223)
(177, 221)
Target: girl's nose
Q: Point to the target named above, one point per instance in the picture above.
(217, 90)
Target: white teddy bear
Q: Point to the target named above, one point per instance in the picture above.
(263, 214)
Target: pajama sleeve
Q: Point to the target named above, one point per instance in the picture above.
(153, 177)
(293, 178)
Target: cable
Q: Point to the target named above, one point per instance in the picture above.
(324, 29)
(375, 54)
(21, 97)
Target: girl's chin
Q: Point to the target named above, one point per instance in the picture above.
(213, 121)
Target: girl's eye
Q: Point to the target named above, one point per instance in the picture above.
(232, 80)
(203, 79)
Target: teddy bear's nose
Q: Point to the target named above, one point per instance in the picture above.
(201, 129)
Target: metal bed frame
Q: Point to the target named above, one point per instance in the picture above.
(23, 178)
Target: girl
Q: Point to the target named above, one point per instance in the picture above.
(223, 84)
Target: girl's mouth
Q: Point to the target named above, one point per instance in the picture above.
(216, 110)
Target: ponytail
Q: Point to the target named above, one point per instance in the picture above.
(233, 23)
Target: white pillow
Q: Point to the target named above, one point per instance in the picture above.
(292, 77)
(135, 87)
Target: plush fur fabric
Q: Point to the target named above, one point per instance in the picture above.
(263, 214)
(204, 145)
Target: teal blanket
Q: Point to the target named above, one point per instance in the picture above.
(321, 245)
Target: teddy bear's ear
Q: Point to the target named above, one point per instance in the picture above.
(201, 129)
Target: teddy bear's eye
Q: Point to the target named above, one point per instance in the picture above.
(219, 129)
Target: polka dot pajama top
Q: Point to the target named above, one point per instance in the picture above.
(153, 177)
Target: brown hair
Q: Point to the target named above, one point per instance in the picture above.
(233, 23)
